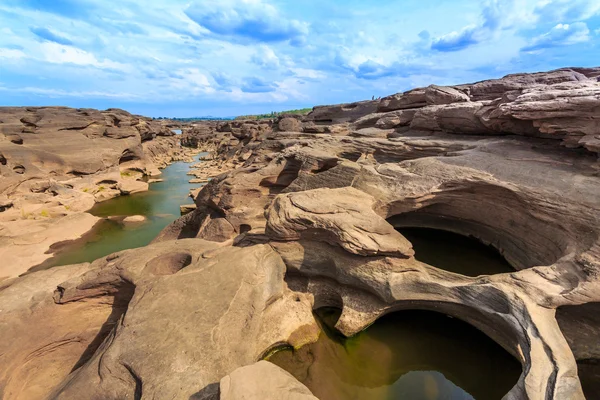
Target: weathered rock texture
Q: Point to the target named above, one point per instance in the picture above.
(57, 162)
(299, 215)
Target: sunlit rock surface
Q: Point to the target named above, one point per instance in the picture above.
(300, 215)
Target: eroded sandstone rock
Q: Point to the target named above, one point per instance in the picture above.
(294, 221)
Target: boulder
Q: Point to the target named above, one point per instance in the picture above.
(436, 95)
(289, 124)
(262, 381)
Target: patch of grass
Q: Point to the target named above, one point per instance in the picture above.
(68, 208)
(126, 174)
(101, 189)
(44, 213)
(86, 190)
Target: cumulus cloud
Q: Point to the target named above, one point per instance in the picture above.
(455, 41)
(56, 53)
(191, 80)
(307, 73)
(567, 10)
(250, 19)
(265, 57)
(49, 35)
(257, 85)
(495, 15)
(560, 35)
(58, 93)
(14, 54)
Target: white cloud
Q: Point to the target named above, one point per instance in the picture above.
(56, 93)
(59, 54)
(265, 57)
(560, 35)
(12, 54)
(251, 19)
(566, 10)
(190, 81)
(308, 73)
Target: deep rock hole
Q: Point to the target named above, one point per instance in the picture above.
(455, 253)
(581, 327)
(410, 354)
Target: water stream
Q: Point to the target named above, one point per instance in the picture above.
(160, 205)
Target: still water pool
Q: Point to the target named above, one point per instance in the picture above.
(160, 205)
(408, 355)
(455, 253)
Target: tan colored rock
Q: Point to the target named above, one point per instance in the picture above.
(437, 95)
(343, 217)
(48, 340)
(133, 219)
(395, 119)
(303, 220)
(25, 243)
(412, 99)
(56, 162)
(130, 186)
(289, 124)
(262, 381)
(187, 208)
(216, 315)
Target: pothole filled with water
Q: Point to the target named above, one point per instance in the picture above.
(411, 355)
(455, 253)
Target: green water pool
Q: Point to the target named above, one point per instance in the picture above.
(160, 205)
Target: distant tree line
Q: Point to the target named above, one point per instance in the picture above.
(192, 119)
(275, 114)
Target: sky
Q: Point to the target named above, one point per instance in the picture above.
(175, 58)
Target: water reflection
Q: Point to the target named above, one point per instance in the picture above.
(410, 355)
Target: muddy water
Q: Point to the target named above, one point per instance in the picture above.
(160, 205)
(455, 253)
(409, 355)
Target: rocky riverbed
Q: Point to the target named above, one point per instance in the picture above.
(57, 162)
(306, 213)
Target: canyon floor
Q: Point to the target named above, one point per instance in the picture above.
(300, 214)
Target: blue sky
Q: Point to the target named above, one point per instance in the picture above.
(232, 57)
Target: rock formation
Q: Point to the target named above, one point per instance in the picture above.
(57, 162)
(300, 214)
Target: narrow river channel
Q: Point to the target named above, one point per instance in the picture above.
(160, 206)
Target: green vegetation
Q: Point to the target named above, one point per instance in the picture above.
(194, 119)
(126, 174)
(101, 188)
(44, 213)
(273, 114)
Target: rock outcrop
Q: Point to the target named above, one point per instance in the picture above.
(300, 215)
(57, 162)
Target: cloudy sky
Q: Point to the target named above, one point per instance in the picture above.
(231, 57)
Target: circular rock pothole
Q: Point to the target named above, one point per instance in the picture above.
(404, 355)
(168, 264)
